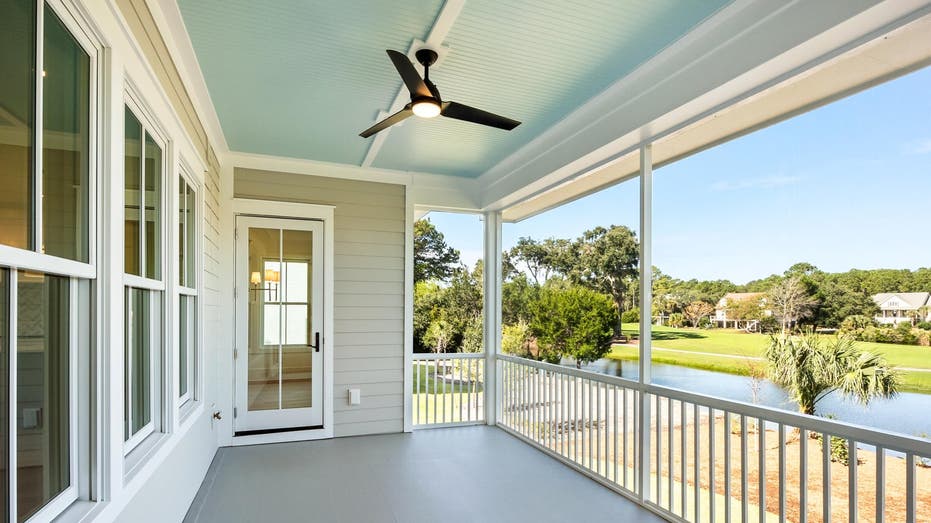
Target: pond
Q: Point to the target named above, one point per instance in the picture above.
(908, 413)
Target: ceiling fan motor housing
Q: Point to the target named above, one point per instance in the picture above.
(426, 57)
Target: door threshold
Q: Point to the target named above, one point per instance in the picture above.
(260, 432)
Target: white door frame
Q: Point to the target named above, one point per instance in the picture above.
(324, 213)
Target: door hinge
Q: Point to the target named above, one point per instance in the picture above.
(235, 291)
(236, 233)
(235, 412)
(235, 353)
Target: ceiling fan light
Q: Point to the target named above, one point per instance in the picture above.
(426, 108)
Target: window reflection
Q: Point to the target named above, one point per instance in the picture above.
(17, 120)
(65, 145)
(43, 318)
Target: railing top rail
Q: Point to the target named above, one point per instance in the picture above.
(859, 433)
(449, 356)
(586, 374)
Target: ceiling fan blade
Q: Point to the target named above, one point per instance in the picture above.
(409, 74)
(471, 114)
(388, 122)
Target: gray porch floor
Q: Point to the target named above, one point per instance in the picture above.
(476, 473)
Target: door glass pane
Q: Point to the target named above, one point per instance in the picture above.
(297, 355)
(264, 319)
(153, 206)
(132, 149)
(138, 370)
(4, 391)
(42, 387)
(65, 145)
(17, 119)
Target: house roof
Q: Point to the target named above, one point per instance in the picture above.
(906, 300)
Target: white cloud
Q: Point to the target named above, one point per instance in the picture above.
(768, 182)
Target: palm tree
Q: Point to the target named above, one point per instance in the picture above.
(809, 367)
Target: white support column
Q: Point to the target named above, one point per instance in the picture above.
(492, 308)
(646, 307)
(408, 310)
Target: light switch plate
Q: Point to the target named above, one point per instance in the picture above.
(355, 396)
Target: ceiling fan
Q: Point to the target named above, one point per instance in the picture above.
(425, 98)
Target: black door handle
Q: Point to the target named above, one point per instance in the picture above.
(316, 345)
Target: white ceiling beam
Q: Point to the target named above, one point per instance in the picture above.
(741, 51)
(441, 27)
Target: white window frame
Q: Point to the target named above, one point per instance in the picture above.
(158, 348)
(82, 321)
(186, 402)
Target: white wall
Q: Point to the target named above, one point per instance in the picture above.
(369, 220)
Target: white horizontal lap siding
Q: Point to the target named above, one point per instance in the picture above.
(368, 283)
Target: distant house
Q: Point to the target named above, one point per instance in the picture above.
(723, 320)
(900, 307)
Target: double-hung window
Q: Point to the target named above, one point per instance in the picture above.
(48, 72)
(187, 205)
(144, 180)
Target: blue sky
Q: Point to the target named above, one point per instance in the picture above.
(845, 186)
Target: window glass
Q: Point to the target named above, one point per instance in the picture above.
(132, 169)
(17, 119)
(186, 232)
(43, 342)
(186, 343)
(4, 390)
(138, 360)
(153, 205)
(65, 145)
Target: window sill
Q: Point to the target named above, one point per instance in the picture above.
(80, 511)
(189, 410)
(134, 461)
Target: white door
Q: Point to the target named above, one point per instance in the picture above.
(279, 324)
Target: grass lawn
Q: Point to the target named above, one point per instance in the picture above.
(729, 343)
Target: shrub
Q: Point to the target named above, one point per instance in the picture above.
(515, 339)
(631, 316)
(572, 322)
(677, 319)
(924, 325)
(856, 323)
(905, 335)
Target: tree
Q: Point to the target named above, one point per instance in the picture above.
(605, 260)
(433, 258)
(540, 260)
(746, 309)
(572, 321)
(697, 310)
(439, 335)
(810, 367)
(790, 301)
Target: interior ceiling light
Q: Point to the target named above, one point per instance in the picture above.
(425, 98)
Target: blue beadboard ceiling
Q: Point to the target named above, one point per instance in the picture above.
(301, 78)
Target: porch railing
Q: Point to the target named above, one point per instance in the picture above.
(712, 459)
(449, 389)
